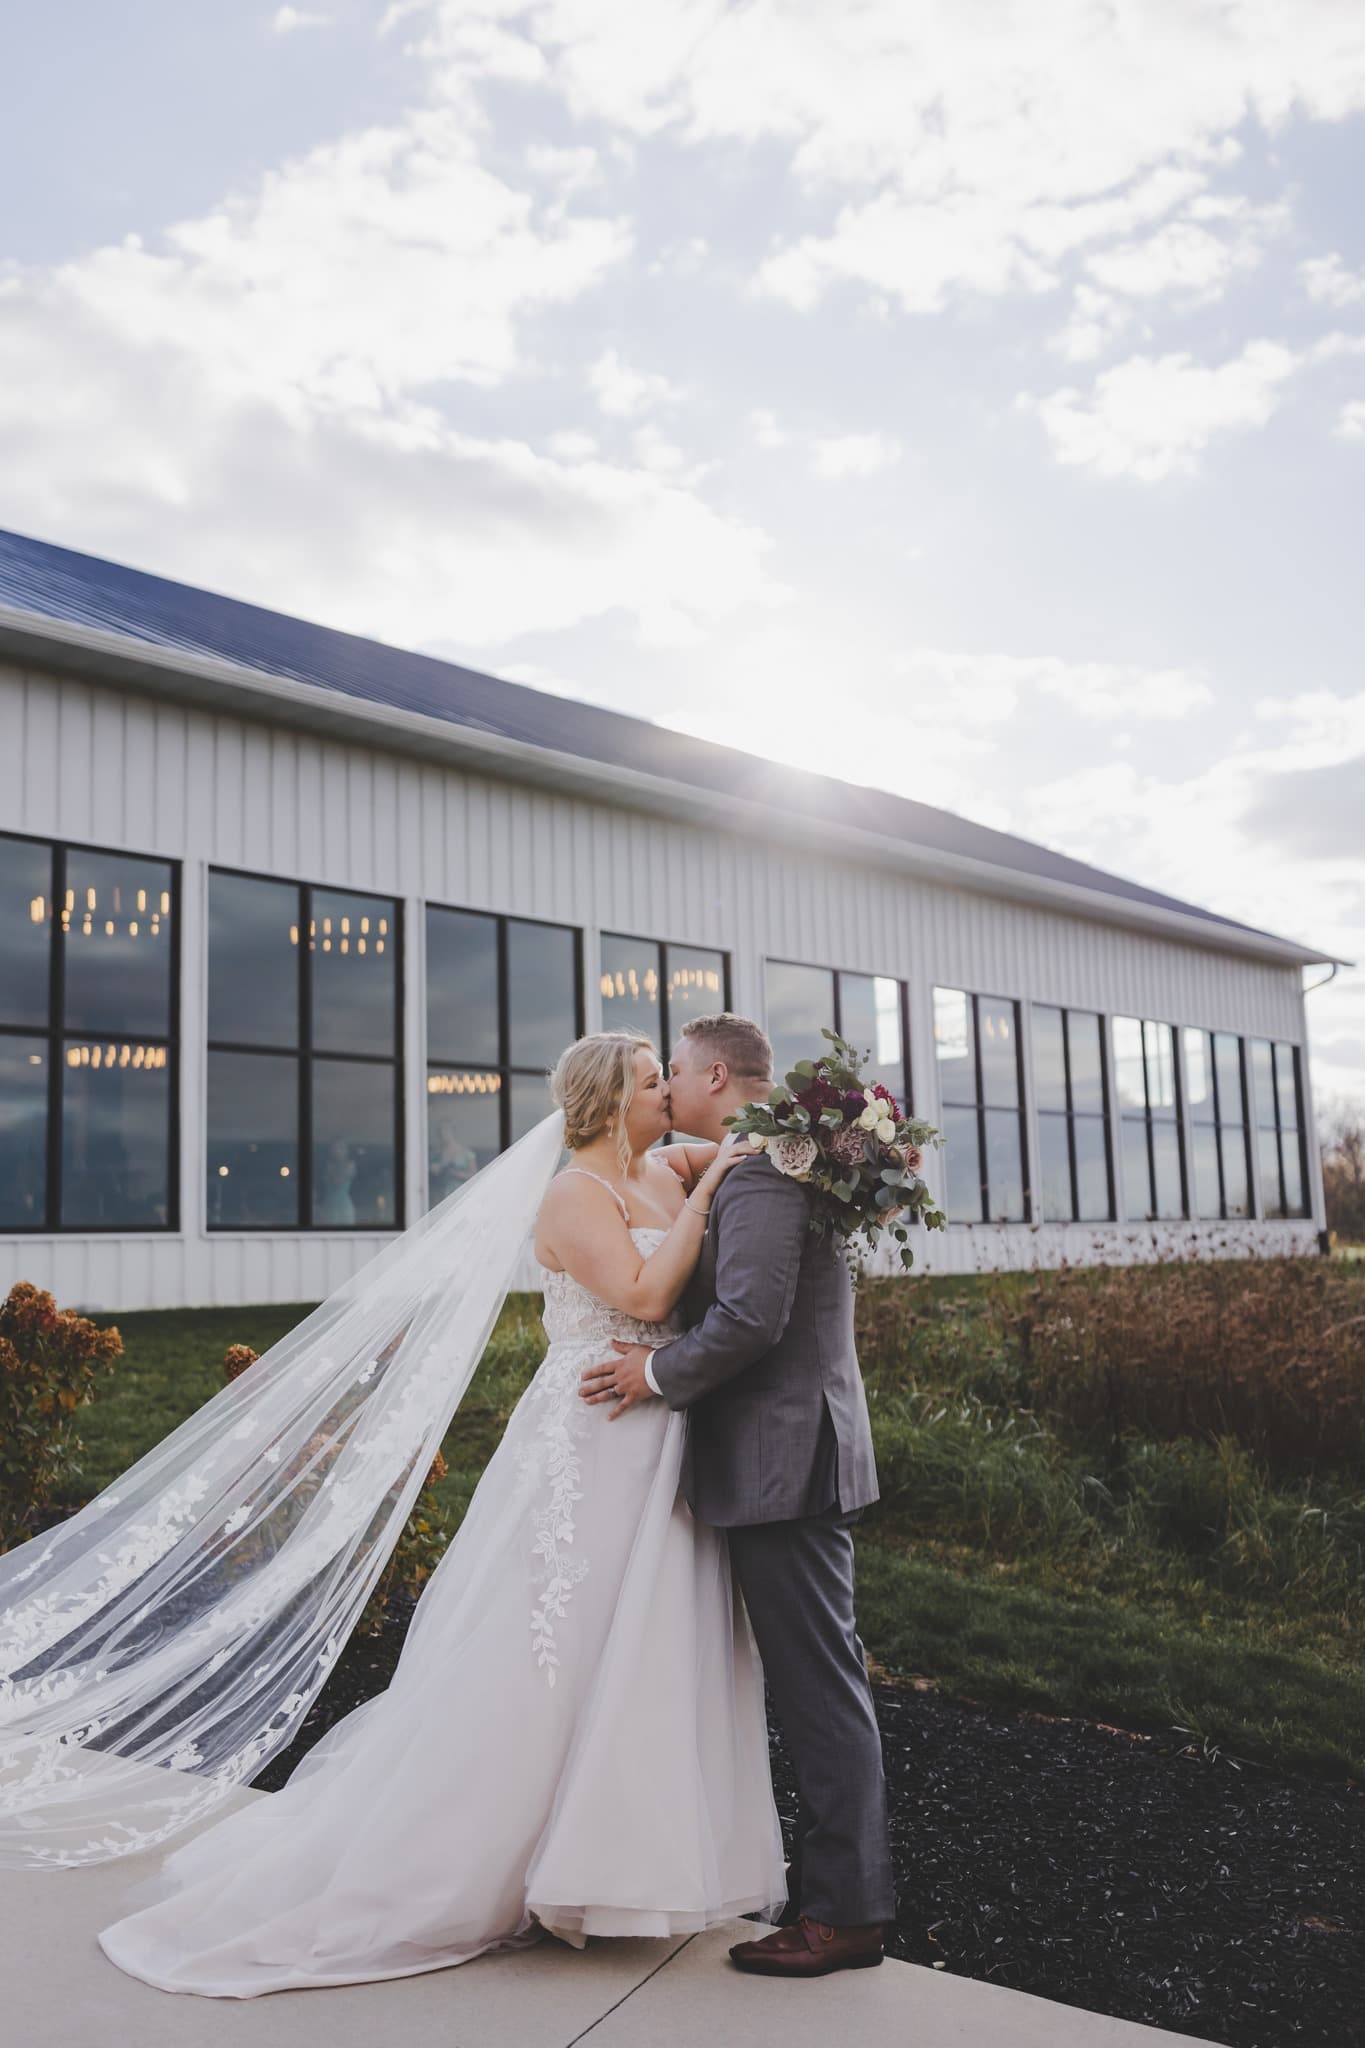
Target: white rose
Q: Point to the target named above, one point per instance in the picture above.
(793, 1156)
(886, 1130)
(758, 1141)
(870, 1117)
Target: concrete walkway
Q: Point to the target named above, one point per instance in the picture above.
(58, 1990)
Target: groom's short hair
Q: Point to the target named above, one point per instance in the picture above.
(745, 1048)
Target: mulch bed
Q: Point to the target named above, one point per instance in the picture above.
(1128, 1874)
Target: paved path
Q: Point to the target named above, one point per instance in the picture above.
(58, 1990)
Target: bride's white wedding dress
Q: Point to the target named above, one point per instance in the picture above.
(574, 1738)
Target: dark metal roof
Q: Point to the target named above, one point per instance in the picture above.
(56, 583)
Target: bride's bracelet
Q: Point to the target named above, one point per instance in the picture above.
(689, 1204)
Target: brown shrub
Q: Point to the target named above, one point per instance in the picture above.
(49, 1360)
(1268, 1351)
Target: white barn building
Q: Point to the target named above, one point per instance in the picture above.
(291, 924)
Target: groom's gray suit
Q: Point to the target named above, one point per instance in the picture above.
(779, 1454)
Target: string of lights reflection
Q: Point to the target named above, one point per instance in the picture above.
(626, 982)
(463, 1084)
(361, 932)
(103, 1057)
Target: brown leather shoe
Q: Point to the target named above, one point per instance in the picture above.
(810, 1948)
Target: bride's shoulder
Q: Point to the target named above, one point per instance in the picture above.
(576, 1188)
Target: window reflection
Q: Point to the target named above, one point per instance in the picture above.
(1069, 1090)
(502, 1003)
(632, 986)
(116, 1104)
(999, 1051)
(1145, 1077)
(464, 1128)
(354, 1120)
(253, 960)
(97, 928)
(542, 992)
(694, 986)
(870, 1018)
(25, 931)
(462, 985)
(1276, 1093)
(354, 965)
(866, 1010)
(252, 1168)
(1213, 1074)
(976, 1045)
(962, 1158)
(1049, 1059)
(23, 1132)
(115, 921)
(800, 1006)
(530, 1103)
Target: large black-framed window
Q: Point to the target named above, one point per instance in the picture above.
(1075, 1157)
(305, 1056)
(981, 1092)
(89, 1038)
(1147, 1083)
(1281, 1163)
(504, 998)
(1215, 1084)
(655, 985)
(869, 1010)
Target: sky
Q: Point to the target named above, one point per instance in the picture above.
(966, 399)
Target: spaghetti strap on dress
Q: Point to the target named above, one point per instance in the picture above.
(588, 1174)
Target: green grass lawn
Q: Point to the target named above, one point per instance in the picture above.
(1177, 1586)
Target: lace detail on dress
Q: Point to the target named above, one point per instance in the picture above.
(578, 1325)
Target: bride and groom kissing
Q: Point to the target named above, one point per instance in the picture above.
(574, 1741)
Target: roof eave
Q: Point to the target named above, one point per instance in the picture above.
(210, 681)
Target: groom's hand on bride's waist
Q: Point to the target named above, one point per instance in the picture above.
(625, 1379)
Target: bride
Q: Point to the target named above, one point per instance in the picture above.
(574, 1739)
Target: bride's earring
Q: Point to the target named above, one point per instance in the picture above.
(611, 1126)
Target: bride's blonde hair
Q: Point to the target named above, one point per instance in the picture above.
(594, 1084)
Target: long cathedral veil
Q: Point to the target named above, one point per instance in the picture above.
(163, 1644)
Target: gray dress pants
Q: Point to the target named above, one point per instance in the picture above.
(797, 1582)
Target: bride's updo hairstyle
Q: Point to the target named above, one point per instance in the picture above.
(594, 1083)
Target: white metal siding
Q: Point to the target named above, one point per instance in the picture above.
(96, 766)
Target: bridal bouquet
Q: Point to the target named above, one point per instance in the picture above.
(853, 1144)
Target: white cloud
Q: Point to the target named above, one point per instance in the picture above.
(624, 392)
(395, 526)
(959, 161)
(570, 444)
(845, 455)
(1185, 256)
(1326, 279)
(287, 20)
(766, 430)
(1153, 416)
(352, 276)
(249, 402)
(1095, 321)
(654, 451)
(1351, 425)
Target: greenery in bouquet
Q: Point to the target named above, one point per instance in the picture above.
(852, 1144)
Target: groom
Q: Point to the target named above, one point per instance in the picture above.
(779, 1455)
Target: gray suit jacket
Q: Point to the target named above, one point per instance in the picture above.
(777, 1415)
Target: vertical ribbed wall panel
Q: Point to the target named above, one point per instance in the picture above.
(90, 764)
